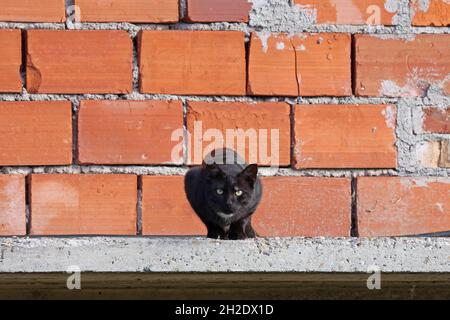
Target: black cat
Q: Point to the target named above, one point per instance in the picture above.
(225, 192)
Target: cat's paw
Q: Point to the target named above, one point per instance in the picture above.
(238, 236)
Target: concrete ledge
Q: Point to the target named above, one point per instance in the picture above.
(199, 255)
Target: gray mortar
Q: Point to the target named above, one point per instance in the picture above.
(183, 8)
(133, 29)
(280, 16)
(135, 63)
(137, 254)
(29, 26)
(174, 170)
(273, 16)
(139, 207)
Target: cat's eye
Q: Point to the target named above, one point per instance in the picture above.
(238, 193)
(219, 191)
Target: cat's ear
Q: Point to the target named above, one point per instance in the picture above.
(250, 174)
(209, 166)
(213, 169)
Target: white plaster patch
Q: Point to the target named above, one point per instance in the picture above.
(280, 45)
(417, 83)
(440, 207)
(264, 37)
(394, 6)
(256, 4)
(419, 182)
(390, 117)
(422, 182)
(298, 152)
(391, 6)
(405, 37)
(391, 89)
(424, 5)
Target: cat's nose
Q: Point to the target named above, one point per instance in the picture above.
(228, 210)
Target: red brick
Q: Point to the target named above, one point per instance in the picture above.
(128, 132)
(150, 11)
(221, 116)
(12, 205)
(349, 11)
(306, 65)
(192, 62)
(10, 60)
(437, 120)
(218, 10)
(303, 206)
(401, 67)
(165, 210)
(345, 136)
(79, 61)
(32, 10)
(436, 13)
(83, 204)
(35, 133)
(399, 206)
(320, 207)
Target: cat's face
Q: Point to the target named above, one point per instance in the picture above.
(230, 189)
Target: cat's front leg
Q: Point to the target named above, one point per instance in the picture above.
(226, 232)
(242, 229)
(216, 232)
(249, 231)
(213, 232)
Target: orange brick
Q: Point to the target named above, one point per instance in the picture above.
(12, 205)
(79, 61)
(345, 136)
(399, 68)
(349, 11)
(263, 127)
(32, 10)
(306, 65)
(303, 206)
(321, 207)
(128, 132)
(83, 204)
(153, 11)
(399, 206)
(35, 133)
(10, 60)
(165, 210)
(431, 13)
(218, 10)
(437, 120)
(192, 62)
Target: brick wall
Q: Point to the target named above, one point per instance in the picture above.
(92, 94)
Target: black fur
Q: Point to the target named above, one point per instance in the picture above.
(227, 215)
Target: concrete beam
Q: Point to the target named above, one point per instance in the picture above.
(236, 286)
(173, 255)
